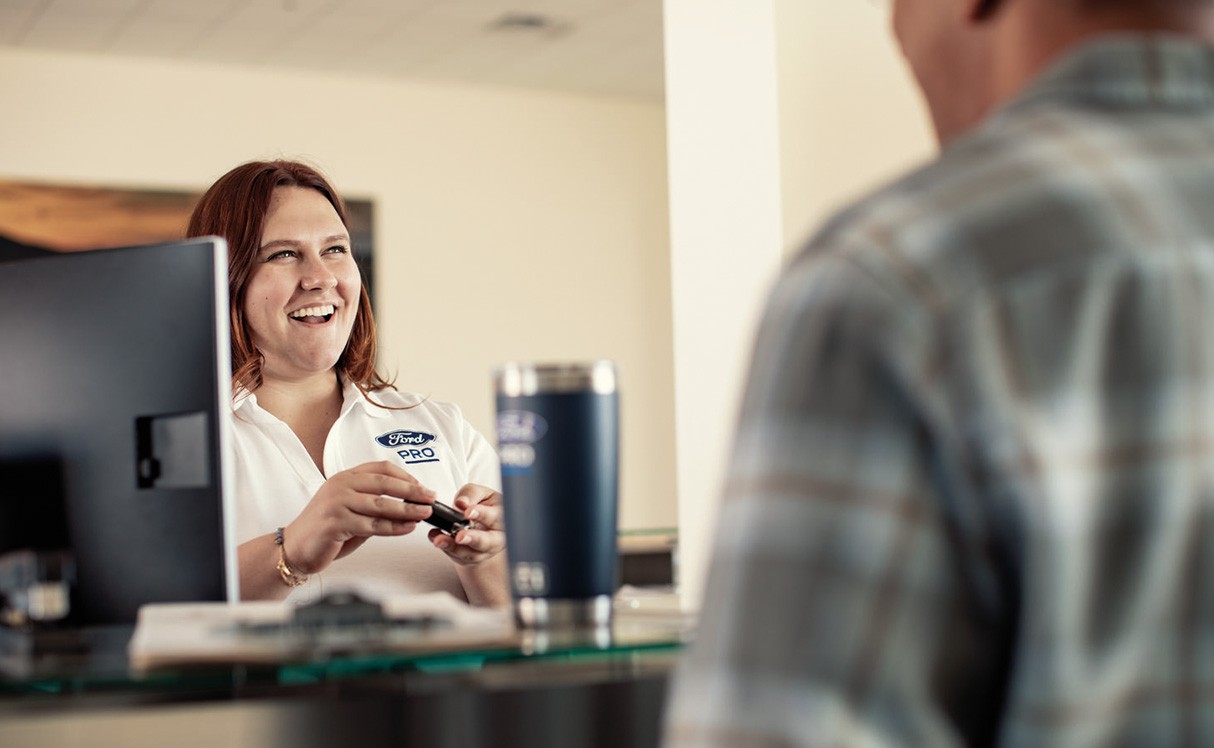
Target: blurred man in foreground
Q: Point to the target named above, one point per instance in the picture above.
(972, 501)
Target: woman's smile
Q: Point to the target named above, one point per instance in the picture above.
(313, 315)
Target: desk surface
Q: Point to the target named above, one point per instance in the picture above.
(581, 687)
(648, 624)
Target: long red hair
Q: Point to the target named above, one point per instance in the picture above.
(235, 208)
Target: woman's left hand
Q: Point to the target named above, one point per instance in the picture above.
(477, 550)
(485, 538)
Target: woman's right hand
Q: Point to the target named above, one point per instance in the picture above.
(375, 498)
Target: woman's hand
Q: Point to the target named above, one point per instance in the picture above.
(485, 537)
(477, 549)
(375, 498)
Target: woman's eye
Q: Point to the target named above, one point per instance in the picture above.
(338, 249)
(281, 254)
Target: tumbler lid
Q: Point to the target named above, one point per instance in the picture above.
(517, 379)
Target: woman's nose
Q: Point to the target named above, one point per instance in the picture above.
(316, 275)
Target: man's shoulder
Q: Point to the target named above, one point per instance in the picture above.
(946, 227)
(969, 172)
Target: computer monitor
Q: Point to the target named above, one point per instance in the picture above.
(114, 423)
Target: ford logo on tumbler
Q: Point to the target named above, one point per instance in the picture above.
(558, 439)
(517, 430)
(520, 426)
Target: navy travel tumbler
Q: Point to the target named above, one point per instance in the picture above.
(558, 438)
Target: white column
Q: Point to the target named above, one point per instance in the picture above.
(726, 238)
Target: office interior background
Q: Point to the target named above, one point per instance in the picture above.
(542, 171)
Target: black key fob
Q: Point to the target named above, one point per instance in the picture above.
(448, 519)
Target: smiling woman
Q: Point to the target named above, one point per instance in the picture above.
(319, 487)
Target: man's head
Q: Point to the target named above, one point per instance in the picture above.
(970, 56)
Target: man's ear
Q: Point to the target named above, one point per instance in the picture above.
(980, 10)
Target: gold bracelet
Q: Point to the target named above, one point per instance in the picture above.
(290, 577)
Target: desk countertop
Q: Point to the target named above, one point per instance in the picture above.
(580, 687)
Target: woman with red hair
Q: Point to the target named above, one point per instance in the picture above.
(334, 466)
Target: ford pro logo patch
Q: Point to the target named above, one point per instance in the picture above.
(394, 439)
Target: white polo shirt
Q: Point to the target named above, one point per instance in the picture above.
(275, 479)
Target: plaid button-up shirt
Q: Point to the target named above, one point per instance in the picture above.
(972, 492)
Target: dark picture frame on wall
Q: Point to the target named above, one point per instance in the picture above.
(39, 218)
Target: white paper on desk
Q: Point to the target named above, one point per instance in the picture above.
(185, 633)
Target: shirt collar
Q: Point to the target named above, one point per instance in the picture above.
(1129, 70)
(245, 403)
(352, 396)
(246, 407)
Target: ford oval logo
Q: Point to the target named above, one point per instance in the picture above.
(520, 427)
(405, 438)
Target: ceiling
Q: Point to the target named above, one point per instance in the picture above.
(599, 47)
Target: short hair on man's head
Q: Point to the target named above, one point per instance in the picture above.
(235, 208)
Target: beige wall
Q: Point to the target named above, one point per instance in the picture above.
(850, 115)
(509, 224)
